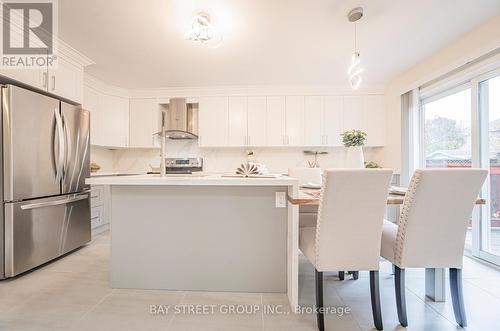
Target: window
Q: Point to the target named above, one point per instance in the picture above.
(489, 113)
(447, 130)
(459, 127)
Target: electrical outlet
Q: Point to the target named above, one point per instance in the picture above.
(280, 199)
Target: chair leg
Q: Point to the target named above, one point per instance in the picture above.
(341, 275)
(319, 301)
(457, 296)
(355, 275)
(399, 278)
(375, 297)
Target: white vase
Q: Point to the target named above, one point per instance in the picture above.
(353, 157)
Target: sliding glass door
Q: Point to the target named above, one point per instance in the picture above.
(488, 108)
(459, 127)
(446, 133)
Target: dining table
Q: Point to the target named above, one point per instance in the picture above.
(309, 196)
(435, 278)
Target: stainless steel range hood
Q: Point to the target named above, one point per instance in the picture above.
(181, 119)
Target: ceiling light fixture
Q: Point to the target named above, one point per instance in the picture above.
(203, 31)
(354, 71)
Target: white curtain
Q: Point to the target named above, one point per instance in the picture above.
(410, 127)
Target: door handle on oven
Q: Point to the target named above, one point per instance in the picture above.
(55, 202)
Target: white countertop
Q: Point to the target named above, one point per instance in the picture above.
(190, 180)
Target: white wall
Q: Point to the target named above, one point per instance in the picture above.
(472, 45)
(219, 160)
(103, 157)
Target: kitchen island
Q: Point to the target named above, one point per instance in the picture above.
(208, 233)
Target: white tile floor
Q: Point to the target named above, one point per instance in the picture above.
(73, 294)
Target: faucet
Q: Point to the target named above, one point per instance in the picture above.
(162, 150)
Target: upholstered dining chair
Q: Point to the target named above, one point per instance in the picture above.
(350, 214)
(432, 228)
(307, 214)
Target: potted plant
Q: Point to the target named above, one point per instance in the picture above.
(353, 141)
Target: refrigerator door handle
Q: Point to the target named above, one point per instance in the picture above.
(67, 143)
(60, 140)
(55, 202)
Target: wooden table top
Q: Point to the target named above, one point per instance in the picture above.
(312, 197)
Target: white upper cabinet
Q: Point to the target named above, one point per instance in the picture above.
(275, 121)
(92, 102)
(333, 120)
(144, 122)
(213, 121)
(366, 113)
(323, 120)
(116, 116)
(109, 118)
(294, 118)
(313, 123)
(353, 113)
(256, 121)
(237, 121)
(374, 112)
(66, 80)
(32, 77)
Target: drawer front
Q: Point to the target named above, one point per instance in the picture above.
(97, 196)
(96, 217)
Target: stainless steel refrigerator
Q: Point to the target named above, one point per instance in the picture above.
(45, 160)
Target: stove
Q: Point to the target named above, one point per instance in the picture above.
(185, 166)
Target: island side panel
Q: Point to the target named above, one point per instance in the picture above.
(212, 238)
(293, 249)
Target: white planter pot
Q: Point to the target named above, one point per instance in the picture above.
(353, 157)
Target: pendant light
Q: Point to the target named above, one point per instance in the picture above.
(354, 71)
(203, 31)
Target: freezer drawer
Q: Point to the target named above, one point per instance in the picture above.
(38, 231)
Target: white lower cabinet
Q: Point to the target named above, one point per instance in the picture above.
(144, 123)
(100, 198)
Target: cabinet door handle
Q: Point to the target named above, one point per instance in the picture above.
(44, 79)
(53, 82)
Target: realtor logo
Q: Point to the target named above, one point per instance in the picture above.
(28, 29)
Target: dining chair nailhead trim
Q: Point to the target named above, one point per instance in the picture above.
(403, 220)
(317, 263)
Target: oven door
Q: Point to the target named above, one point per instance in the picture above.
(40, 230)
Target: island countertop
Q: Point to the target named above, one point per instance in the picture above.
(190, 180)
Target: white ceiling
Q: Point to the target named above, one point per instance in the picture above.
(267, 42)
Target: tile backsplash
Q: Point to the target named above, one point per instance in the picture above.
(218, 160)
